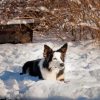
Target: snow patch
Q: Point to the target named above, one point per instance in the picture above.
(82, 73)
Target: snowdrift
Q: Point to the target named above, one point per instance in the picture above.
(82, 73)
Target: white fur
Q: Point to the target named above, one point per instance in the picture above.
(47, 75)
(57, 55)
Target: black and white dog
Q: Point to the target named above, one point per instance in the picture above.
(50, 67)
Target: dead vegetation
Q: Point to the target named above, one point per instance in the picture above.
(15, 34)
(70, 20)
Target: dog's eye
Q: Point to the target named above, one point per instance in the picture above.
(55, 58)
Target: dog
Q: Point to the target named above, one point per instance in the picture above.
(50, 67)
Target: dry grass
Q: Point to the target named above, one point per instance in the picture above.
(65, 15)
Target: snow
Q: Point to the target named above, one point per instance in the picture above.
(22, 21)
(82, 73)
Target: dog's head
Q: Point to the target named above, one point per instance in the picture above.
(57, 57)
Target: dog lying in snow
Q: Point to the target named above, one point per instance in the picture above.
(50, 67)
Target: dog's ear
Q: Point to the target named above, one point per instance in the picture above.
(47, 51)
(63, 49)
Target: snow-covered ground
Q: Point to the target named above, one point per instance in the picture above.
(82, 73)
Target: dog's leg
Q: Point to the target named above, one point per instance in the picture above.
(61, 77)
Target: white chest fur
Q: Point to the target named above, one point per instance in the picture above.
(46, 74)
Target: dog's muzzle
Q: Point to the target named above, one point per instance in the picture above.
(61, 64)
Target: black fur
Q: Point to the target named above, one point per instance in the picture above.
(33, 68)
(46, 65)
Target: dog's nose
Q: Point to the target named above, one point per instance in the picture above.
(61, 64)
